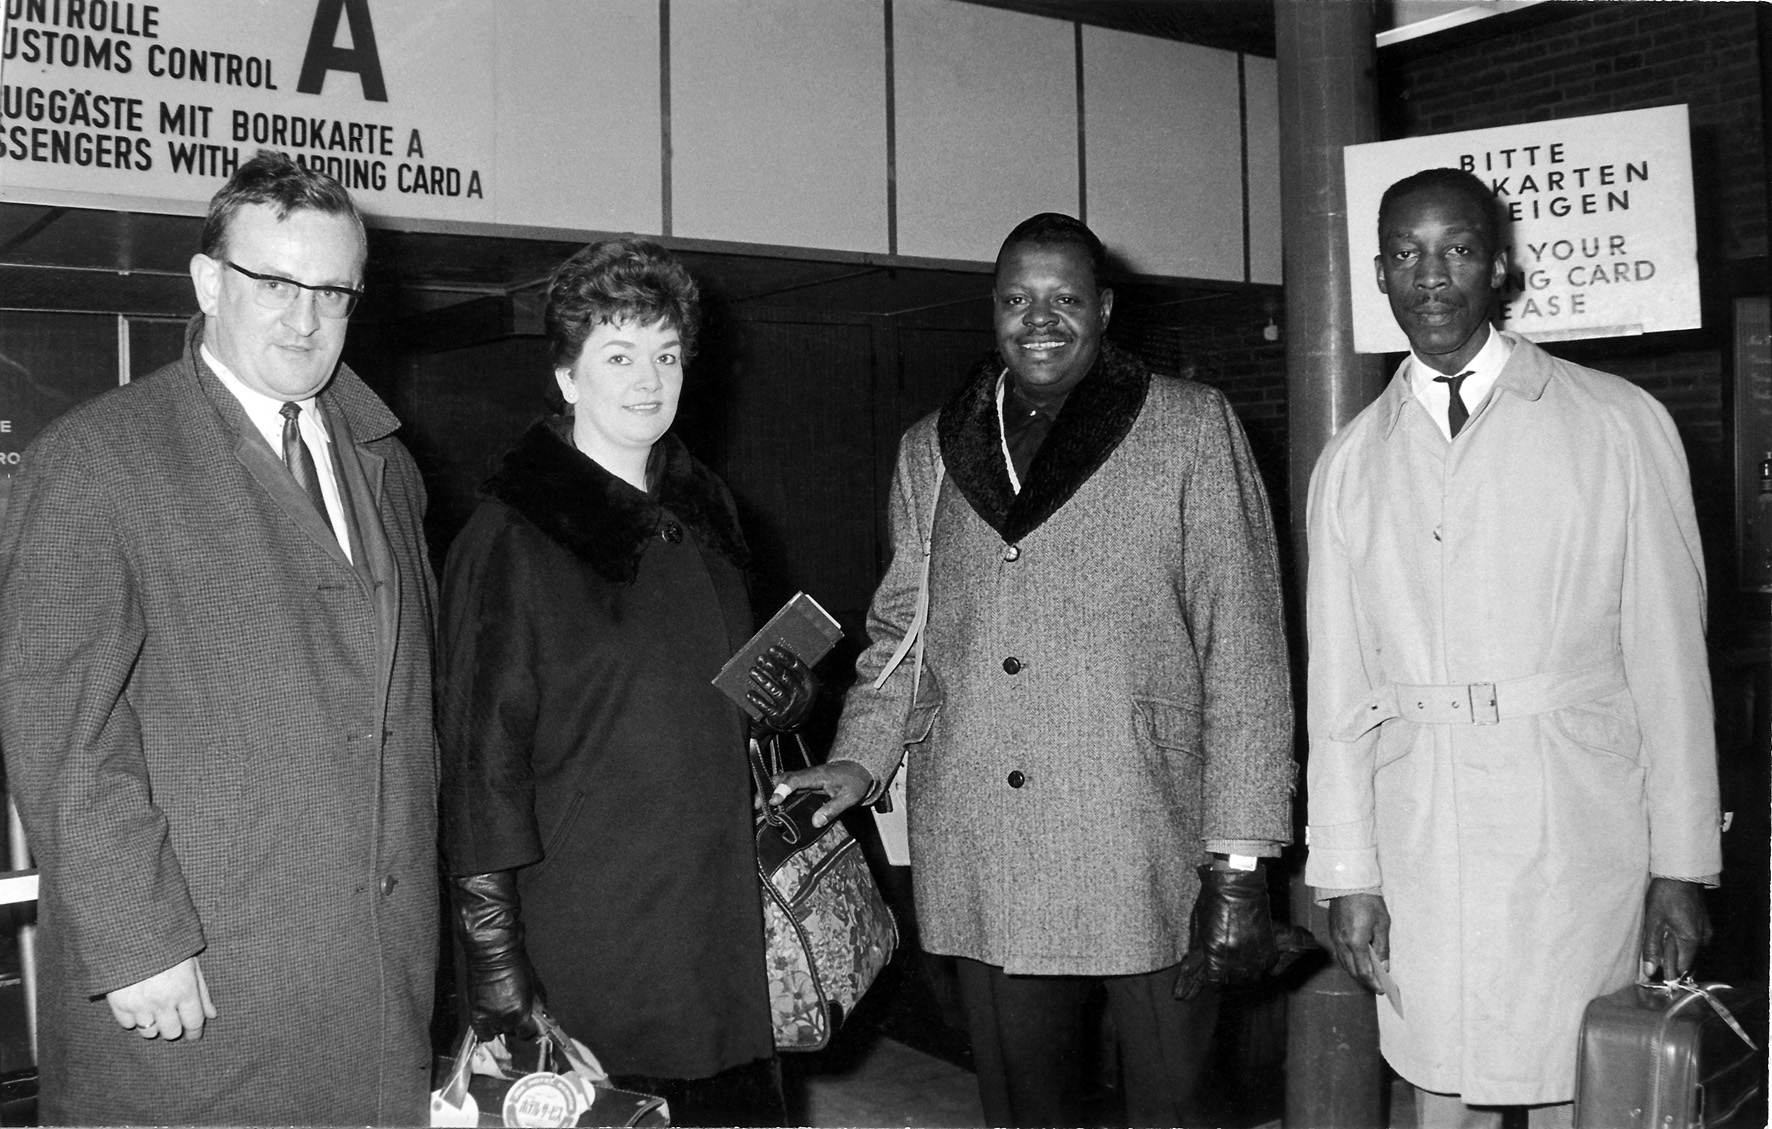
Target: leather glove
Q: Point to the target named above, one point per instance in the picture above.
(783, 688)
(1232, 932)
(502, 987)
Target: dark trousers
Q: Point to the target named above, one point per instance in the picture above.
(748, 1095)
(1026, 1043)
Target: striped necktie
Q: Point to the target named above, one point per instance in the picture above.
(300, 460)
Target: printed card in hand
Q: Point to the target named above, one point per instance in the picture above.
(802, 626)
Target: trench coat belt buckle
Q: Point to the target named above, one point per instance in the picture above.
(1486, 703)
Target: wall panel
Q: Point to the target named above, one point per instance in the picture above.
(579, 143)
(778, 122)
(987, 125)
(1261, 83)
(1164, 148)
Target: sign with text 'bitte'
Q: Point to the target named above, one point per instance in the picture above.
(159, 102)
(1598, 223)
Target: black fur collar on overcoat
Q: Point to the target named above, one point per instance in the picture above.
(603, 520)
(1096, 417)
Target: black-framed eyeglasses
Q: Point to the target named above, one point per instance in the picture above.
(275, 292)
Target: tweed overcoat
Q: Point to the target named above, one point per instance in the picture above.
(1104, 683)
(585, 746)
(1550, 550)
(218, 732)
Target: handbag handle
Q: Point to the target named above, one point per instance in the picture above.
(914, 634)
(578, 1059)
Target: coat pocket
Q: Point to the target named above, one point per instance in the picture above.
(557, 837)
(1169, 725)
(920, 721)
(1606, 725)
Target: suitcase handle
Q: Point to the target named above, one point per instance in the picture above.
(1697, 991)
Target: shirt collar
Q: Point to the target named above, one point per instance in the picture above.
(1415, 378)
(264, 411)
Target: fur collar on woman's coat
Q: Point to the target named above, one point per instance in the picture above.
(1096, 417)
(602, 519)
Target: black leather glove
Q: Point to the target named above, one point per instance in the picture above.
(1232, 941)
(502, 988)
(783, 688)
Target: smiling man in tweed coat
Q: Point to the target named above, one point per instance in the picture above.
(215, 709)
(1103, 718)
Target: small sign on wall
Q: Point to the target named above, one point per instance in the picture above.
(1597, 215)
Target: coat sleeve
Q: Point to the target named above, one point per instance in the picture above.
(487, 700)
(1340, 824)
(74, 626)
(1665, 661)
(875, 724)
(1230, 591)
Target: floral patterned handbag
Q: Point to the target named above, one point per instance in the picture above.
(827, 930)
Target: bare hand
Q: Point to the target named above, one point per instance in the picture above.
(845, 782)
(1675, 925)
(1360, 924)
(166, 1005)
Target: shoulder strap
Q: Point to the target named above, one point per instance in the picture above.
(914, 634)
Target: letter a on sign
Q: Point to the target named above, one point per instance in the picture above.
(360, 57)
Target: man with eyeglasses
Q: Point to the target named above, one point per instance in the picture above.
(215, 706)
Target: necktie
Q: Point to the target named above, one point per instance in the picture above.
(300, 461)
(1456, 412)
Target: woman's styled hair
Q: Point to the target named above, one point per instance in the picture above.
(615, 281)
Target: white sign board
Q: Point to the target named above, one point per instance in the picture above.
(1599, 231)
(157, 103)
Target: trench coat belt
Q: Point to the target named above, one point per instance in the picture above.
(1483, 703)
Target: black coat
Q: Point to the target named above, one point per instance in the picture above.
(584, 745)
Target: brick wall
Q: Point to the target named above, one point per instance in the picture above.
(1612, 57)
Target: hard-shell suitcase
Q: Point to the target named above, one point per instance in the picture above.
(1672, 1056)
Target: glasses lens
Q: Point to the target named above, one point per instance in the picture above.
(334, 303)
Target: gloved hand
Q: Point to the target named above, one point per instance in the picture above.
(1232, 932)
(784, 688)
(502, 987)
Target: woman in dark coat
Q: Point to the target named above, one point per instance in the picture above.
(597, 803)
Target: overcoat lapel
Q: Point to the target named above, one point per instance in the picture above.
(264, 464)
(360, 478)
(1096, 417)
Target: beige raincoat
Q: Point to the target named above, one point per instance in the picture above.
(1510, 713)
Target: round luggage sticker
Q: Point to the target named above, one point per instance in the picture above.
(543, 1100)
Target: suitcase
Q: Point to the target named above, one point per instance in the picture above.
(1666, 1057)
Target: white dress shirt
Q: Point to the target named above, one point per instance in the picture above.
(264, 412)
(1435, 396)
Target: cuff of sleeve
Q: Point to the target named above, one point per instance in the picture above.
(1708, 881)
(1260, 848)
(1342, 868)
(1324, 897)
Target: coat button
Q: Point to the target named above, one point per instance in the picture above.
(671, 532)
(1012, 665)
(1016, 779)
(1012, 553)
(388, 884)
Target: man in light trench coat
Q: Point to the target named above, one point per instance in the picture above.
(1512, 775)
(215, 702)
(1103, 719)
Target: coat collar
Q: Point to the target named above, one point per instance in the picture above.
(1527, 372)
(1095, 419)
(602, 519)
(345, 395)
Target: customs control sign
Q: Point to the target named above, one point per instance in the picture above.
(1597, 222)
(117, 102)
